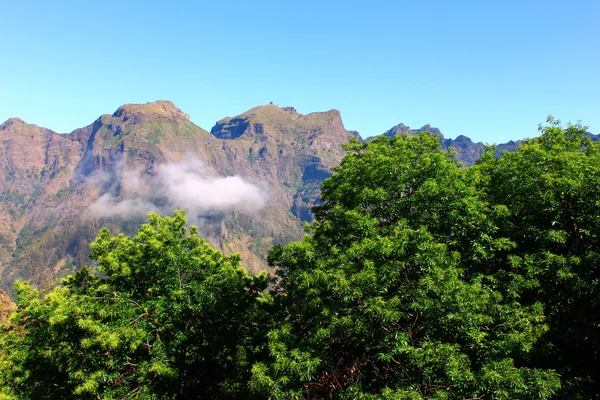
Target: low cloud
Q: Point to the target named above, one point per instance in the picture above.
(186, 184)
(109, 206)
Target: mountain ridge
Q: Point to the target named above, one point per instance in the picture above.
(47, 211)
(57, 190)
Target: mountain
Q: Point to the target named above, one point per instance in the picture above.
(260, 172)
(466, 151)
(36, 164)
(287, 148)
(248, 184)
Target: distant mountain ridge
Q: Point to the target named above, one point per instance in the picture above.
(467, 151)
(249, 183)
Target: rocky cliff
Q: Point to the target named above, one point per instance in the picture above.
(57, 190)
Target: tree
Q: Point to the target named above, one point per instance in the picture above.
(551, 189)
(169, 317)
(419, 280)
(376, 303)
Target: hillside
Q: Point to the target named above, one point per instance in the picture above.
(248, 184)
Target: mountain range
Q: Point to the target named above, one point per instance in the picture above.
(248, 184)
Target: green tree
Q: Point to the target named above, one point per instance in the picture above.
(170, 317)
(420, 280)
(376, 304)
(551, 189)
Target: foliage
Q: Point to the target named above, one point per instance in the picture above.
(378, 303)
(551, 189)
(419, 280)
(171, 317)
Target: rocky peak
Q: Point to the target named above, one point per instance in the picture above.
(16, 127)
(405, 129)
(253, 121)
(157, 110)
(466, 151)
(291, 110)
(431, 129)
(325, 116)
(397, 130)
(594, 138)
(463, 138)
(274, 121)
(10, 122)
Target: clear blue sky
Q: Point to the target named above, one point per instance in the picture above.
(491, 70)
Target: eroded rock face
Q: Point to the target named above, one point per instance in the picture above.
(292, 152)
(49, 180)
(233, 128)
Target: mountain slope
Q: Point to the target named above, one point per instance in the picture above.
(36, 164)
(291, 151)
(248, 184)
(60, 189)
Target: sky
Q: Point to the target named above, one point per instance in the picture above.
(490, 70)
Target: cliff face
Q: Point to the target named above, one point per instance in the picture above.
(58, 190)
(291, 152)
(36, 164)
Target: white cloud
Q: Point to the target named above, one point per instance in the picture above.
(186, 184)
(109, 206)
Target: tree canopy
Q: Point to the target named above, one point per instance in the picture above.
(166, 318)
(418, 279)
(551, 191)
(381, 302)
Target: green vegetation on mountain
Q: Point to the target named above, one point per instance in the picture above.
(419, 280)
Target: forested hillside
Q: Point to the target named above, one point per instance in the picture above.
(418, 279)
